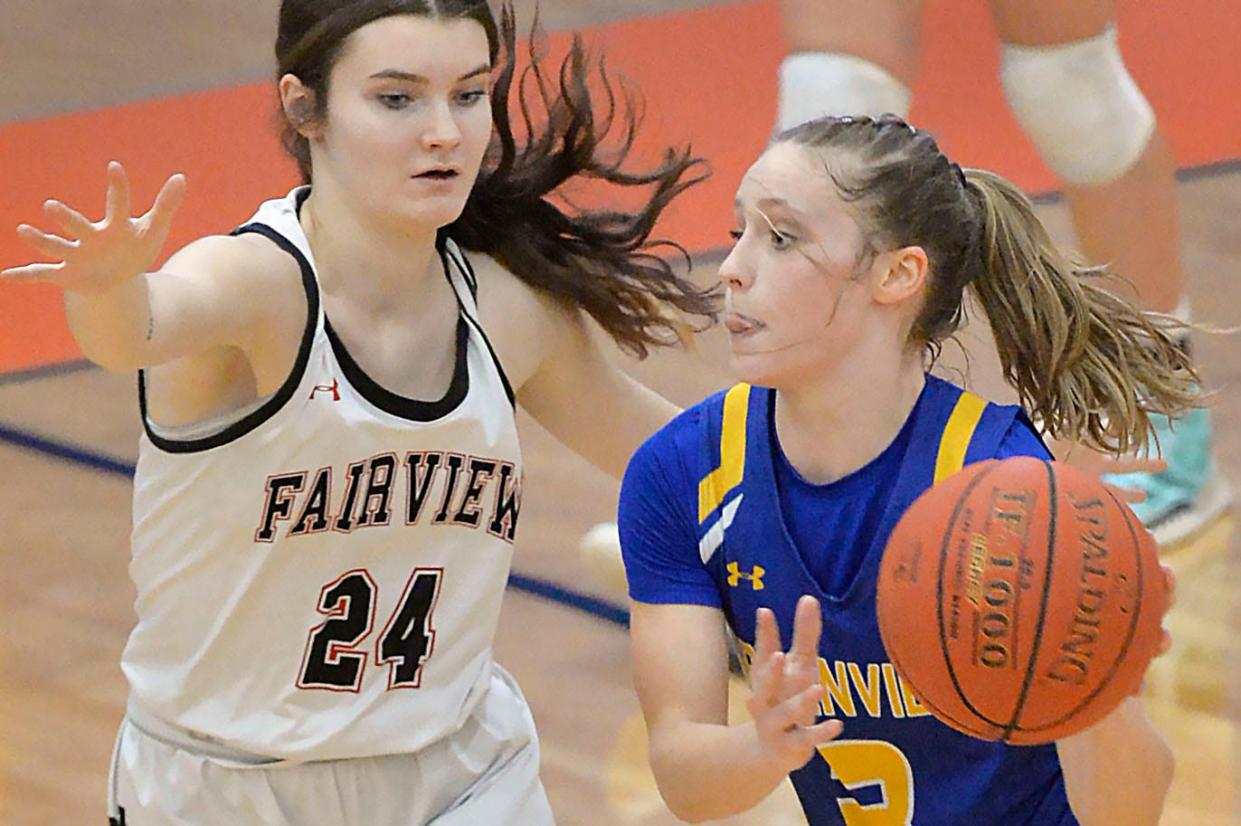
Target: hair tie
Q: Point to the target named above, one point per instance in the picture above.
(960, 173)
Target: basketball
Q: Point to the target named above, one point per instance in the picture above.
(1021, 600)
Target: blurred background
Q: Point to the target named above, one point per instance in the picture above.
(187, 86)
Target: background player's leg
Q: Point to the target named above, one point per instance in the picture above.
(1130, 220)
(847, 58)
(1068, 87)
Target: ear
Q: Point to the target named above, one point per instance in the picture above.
(902, 276)
(298, 103)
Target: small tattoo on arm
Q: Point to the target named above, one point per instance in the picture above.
(150, 326)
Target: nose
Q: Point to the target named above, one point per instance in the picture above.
(735, 272)
(442, 131)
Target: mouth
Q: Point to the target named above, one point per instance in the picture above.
(740, 325)
(439, 173)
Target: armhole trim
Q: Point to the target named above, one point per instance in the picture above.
(281, 397)
(462, 263)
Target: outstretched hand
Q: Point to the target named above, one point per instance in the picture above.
(94, 257)
(785, 689)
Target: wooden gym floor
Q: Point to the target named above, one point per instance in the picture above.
(68, 432)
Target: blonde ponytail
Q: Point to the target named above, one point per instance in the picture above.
(1088, 364)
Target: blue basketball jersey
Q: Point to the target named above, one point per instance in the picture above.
(702, 522)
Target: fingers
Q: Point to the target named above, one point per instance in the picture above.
(1098, 463)
(798, 711)
(766, 683)
(52, 246)
(159, 218)
(1136, 464)
(821, 733)
(807, 628)
(74, 223)
(169, 198)
(118, 193)
(766, 634)
(1165, 642)
(30, 273)
(1130, 495)
(1169, 584)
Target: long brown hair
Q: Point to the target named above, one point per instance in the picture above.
(601, 260)
(1087, 364)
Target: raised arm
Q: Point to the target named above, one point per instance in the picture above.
(207, 296)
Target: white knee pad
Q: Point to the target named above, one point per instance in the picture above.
(813, 84)
(1077, 102)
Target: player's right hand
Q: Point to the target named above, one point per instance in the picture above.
(94, 257)
(785, 689)
(1102, 464)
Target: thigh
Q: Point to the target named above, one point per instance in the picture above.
(1050, 22)
(885, 32)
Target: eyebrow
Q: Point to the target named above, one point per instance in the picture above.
(769, 202)
(397, 74)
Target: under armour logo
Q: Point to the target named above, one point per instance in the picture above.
(735, 575)
(333, 388)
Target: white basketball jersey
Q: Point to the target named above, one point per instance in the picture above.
(321, 578)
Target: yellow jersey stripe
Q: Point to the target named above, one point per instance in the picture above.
(957, 435)
(717, 484)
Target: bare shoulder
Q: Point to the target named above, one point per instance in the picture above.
(525, 324)
(252, 284)
(499, 286)
(246, 260)
(248, 293)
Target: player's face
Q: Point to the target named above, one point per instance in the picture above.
(408, 118)
(796, 281)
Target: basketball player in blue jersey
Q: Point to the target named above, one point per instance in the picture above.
(1066, 83)
(765, 508)
(329, 481)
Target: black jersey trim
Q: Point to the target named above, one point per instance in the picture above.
(467, 271)
(508, 388)
(406, 408)
(281, 397)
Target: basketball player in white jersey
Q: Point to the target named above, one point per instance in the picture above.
(329, 482)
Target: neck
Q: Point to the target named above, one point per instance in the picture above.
(364, 260)
(839, 422)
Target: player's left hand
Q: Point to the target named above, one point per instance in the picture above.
(785, 689)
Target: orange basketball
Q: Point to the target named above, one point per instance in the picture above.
(1021, 600)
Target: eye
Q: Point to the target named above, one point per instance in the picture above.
(779, 240)
(471, 97)
(394, 100)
